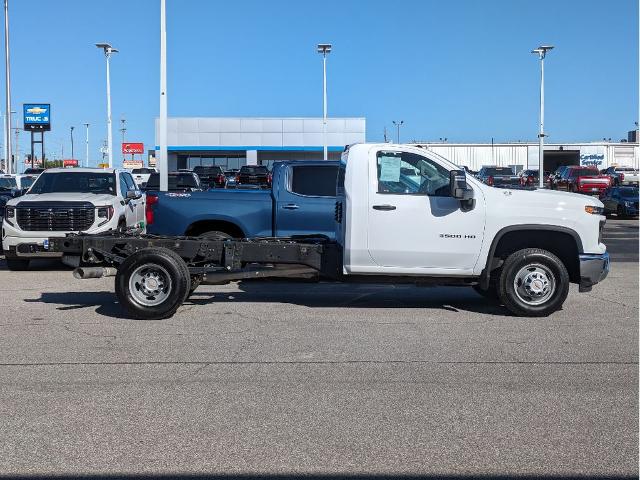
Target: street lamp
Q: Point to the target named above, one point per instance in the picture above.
(108, 51)
(324, 49)
(7, 69)
(86, 144)
(72, 156)
(398, 124)
(541, 51)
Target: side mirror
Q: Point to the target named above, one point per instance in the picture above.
(458, 185)
(133, 195)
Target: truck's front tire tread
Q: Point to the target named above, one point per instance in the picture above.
(174, 265)
(514, 263)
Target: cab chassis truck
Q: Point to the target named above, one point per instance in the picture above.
(403, 215)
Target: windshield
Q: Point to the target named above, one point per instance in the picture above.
(7, 183)
(207, 170)
(26, 182)
(142, 170)
(629, 193)
(254, 170)
(498, 171)
(626, 169)
(180, 181)
(75, 182)
(584, 172)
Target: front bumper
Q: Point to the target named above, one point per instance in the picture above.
(594, 267)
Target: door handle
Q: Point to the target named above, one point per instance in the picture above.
(384, 207)
(290, 206)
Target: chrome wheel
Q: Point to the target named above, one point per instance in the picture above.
(534, 284)
(150, 285)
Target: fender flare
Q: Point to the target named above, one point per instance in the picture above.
(486, 271)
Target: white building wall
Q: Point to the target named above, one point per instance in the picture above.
(525, 155)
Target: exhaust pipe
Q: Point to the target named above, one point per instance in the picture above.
(82, 273)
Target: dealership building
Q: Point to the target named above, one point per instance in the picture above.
(520, 156)
(233, 142)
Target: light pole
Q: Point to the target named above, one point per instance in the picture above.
(541, 51)
(398, 124)
(86, 145)
(162, 123)
(72, 157)
(324, 49)
(108, 51)
(7, 66)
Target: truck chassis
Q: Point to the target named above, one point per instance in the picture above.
(156, 274)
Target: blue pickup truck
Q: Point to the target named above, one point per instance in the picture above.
(301, 202)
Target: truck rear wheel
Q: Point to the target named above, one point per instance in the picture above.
(533, 283)
(152, 283)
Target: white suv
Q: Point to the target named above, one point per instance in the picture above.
(65, 200)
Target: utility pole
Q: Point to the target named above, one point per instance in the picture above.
(72, 156)
(7, 66)
(385, 134)
(398, 124)
(86, 144)
(108, 51)
(123, 130)
(16, 132)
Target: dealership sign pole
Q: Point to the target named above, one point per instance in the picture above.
(36, 117)
(162, 127)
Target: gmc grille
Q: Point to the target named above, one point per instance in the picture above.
(55, 216)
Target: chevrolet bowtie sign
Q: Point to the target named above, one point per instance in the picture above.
(37, 116)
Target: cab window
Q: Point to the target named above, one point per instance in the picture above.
(314, 180)
(403, 173)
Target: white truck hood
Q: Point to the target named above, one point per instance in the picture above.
(96, 199)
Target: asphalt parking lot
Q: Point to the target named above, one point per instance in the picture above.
(286, 378)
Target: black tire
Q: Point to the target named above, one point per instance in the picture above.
(17, 264)
(620, 212)
(530, 262)
(171, 265)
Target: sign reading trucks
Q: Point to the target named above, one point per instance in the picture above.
(36, 116)
(132, 148)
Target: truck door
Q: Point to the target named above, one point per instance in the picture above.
(413, 220)
(305, 202)
(134, 207)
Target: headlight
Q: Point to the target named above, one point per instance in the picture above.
(105, 213)
(9, 213)
(593, 209)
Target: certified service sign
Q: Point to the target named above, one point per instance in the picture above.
(37, 116)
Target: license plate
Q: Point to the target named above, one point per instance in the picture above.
(594, 189)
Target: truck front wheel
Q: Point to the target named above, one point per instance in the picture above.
(152, 283)
(533, 283)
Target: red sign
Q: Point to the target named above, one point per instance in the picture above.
(133, 148)
(69, 163)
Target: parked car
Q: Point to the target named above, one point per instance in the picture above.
(255, 175)
(498, 176)
(211, 176)
(230, 176)
(301, 201)
(623, 175)
(141, 175)
(530, 178)
(555, 176)
(65, 201)
(623, 201)
(587, 180)
(178, 182)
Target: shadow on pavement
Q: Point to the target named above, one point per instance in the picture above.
(315, 295)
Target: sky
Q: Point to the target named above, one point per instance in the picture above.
(455, 69)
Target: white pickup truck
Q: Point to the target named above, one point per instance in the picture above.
(402, 214)
(66, 200)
